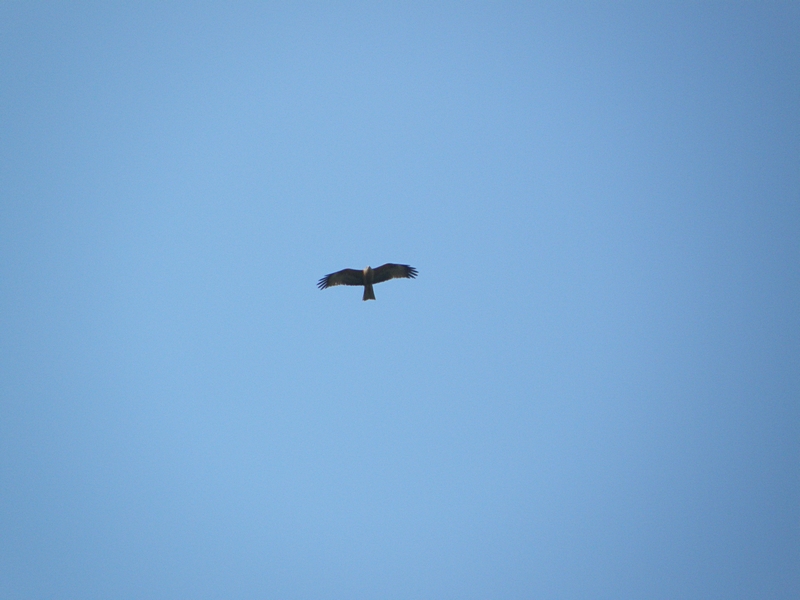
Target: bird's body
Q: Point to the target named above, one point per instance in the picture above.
(367, 277)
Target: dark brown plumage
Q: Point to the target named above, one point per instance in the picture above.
(367, 277)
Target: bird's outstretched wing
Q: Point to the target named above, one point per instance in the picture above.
(343, 277)
(392, 271)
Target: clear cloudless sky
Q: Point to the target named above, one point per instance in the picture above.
(592, 390)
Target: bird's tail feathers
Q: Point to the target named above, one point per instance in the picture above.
(369, 294)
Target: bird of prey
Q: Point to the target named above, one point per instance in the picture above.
(367, 277)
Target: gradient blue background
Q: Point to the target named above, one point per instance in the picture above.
(591, 391)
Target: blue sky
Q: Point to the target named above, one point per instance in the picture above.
(590, 391)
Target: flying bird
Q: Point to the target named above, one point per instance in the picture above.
(367, 277)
